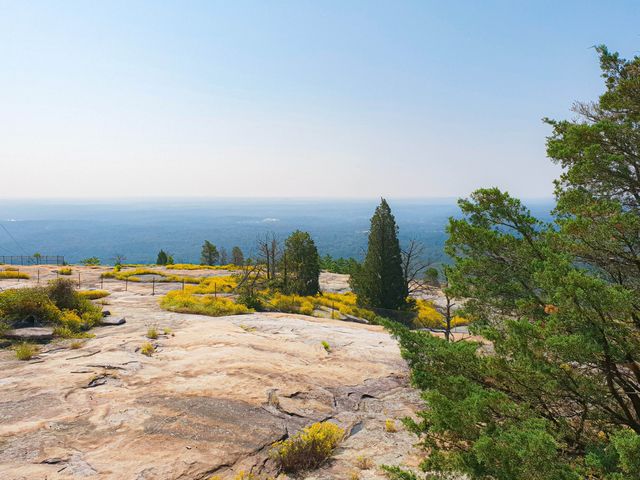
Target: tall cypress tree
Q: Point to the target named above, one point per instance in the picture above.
(379, 282)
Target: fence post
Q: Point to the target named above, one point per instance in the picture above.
(183, 284)
(38, 276)
(78, 279)
(101, 282)
(126, 283)
(153, 286)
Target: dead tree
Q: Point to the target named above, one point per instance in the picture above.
(414, 266)
(269, 252)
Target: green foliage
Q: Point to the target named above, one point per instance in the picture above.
(301, 267)
(65, 271)
(307, 449)
(237, 257)
(379, 283)
(338, 265)
(91, 261)
(57, 304)
(163, 258)
(555, 396)
(210, 254)
(326, 346)
(94, 294)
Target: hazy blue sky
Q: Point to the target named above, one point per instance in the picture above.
(273, 98)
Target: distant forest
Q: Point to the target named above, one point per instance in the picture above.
(138, 229)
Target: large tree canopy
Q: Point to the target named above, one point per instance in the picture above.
(555, 392)
(301, 264)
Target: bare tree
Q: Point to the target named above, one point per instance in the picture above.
(251, 278)
(119, 259)
(414, 264)
(268, 253)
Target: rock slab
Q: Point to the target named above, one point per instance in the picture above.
(108, 321)
(34, 334)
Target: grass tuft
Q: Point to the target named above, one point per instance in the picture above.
(390, 426)
(147, 349)
(363, 462)
(152, 333)
(26, 351)
(326, 346)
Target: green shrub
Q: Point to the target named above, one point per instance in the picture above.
(65, 271)
(58, 305)
(20, 303)
(307, 449)
(26, 351)
(91, 261)
(326, 346)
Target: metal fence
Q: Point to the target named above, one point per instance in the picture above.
(32, 260)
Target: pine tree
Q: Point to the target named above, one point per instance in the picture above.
(162, 258)
(209, 255)
(301, 264)
(379, 282)
(237, 257)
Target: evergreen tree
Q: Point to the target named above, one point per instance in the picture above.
(163, 258)
(301, 264)
(379, 282)
(557, 394)
(210, 254)
(237, 257)
(224, 258)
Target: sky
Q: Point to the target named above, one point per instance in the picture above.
(293, 98)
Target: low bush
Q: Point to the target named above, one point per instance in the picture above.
(222, 284)
(26, 351)
(13, 274)
(307, 449)
(326, 346)
(193, 266)
(65, 271)
(94, 294)
(290, 303)
(75, 345)
(185, 302)
(58, 305)
(133, 275)
(429, 317)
